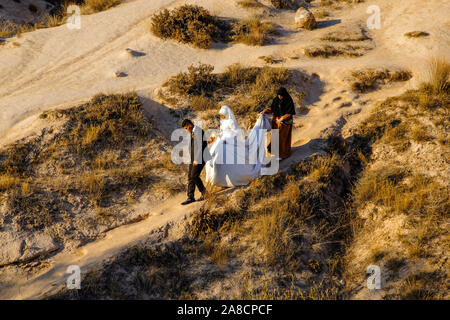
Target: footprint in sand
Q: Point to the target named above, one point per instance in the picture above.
(82, 252)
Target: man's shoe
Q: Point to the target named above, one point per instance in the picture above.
(201, 198)
(187, 202)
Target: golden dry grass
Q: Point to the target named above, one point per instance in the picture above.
(438, 73)
(416, 34)
(9, 29)
(92, 158)
(246, 89)
(249, 4)
(370, 79)
(402, 205)
(326, 51)
(93, 6)
(253, 32)
(189, 24)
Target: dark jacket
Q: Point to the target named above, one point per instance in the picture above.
(201, 155)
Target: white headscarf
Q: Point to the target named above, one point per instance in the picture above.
(229, 125)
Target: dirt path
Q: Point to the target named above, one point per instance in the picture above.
(99, 250)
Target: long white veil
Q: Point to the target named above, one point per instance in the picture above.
(247, 156)
(228, 126)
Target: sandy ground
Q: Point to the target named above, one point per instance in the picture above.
(58, 67)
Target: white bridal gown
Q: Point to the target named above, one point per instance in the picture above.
(234, 160)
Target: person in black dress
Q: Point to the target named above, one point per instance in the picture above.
(283, 110)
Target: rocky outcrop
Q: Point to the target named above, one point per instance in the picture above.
(304, 19)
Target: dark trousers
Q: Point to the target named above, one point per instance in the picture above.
(194, 180)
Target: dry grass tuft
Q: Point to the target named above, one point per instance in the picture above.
(326, 51)
(253, 32)
(249, 4)
(370, 79)
(284, 4)
(340, 36)
(438, 73)
(416, 34)
(93, 6)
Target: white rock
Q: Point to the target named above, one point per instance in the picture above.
(304, 19)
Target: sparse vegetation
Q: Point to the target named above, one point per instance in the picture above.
(285, 217)
(245, 89)
(268, 59)
(189, 24)
(100, 155)
(371, 79)
(345, 36)
(10, 29)
(295, 234)
(249, 4)
(253, 32)
(403, 191)
(326, 51)
(195, 25)
(438, 76)
(93, 6)
(284, 4)
(416, 34)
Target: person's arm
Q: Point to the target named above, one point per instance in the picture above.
(286, 116)
(289, 113)
(269, 110)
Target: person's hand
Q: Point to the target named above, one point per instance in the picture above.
(278, 121)
(195, 163)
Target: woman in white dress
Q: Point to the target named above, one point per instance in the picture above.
(234, 160)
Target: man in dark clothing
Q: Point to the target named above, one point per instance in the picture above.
(198, 158)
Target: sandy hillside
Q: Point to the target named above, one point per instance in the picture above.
(60, 68)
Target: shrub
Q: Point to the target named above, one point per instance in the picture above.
(198, 80)
(188, 24)
(247, 89)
